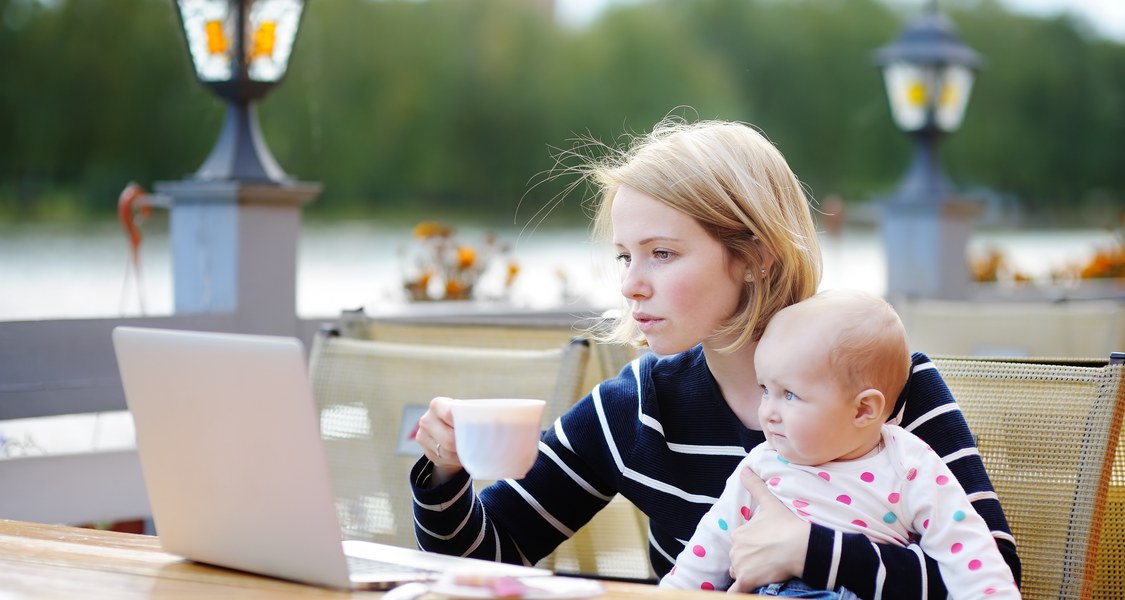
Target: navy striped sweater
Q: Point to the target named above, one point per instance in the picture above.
(661, 434)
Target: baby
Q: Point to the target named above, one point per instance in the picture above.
(830, 369)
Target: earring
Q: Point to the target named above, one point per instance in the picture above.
(763, 272)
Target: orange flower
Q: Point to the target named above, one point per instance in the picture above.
(428, 229)
(455, 290)
(466, 257)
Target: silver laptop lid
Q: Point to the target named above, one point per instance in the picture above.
(230, 448)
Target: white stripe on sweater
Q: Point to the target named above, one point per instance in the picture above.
(549, 453)
(738, 451)
(480, 537)
(837, 549)
(653, 543)
(973, 497)
(548, 517)
(1001, 535)
(897, 419)
(940, 410)
(925, 591)
(640, 477)
(644, 419)
(443, 505)
(456, 531)
(559, 433)
(880, 573)
(962, 453)
(657, 426)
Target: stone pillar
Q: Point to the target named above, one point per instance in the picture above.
(925, 244)
(234, 249)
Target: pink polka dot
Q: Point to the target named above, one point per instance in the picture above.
(956, 547)
(942, 480)
(926, 524)
(803, 513)
(707, 585)
(844, 499)
(893, 498)
(799, 503)
(974, 565)
(673, 571)
(867, 477)
(911, 474)
(859, 523)
(745, 510)
(699, 551)
(989, 591)
(825, 476)
(774, 481)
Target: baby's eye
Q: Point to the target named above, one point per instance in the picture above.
(790, 395)
(765, 392)
(622, 258)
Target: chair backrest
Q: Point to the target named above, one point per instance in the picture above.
(1110, 570)
(1048, 434)
(371, 394)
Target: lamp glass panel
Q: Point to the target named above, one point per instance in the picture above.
(910, 89)
(271, 29)
(956, 85)
(208, 27)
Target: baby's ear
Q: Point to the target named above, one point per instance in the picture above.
(869, 405)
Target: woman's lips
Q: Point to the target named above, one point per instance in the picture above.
(645, 321)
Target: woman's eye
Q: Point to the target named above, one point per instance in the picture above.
(790, 395)
(662, 254)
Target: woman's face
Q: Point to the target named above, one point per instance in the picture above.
(680, 282)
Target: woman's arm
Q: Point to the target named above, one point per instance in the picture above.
(517, 521)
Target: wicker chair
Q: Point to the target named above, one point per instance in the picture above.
(1049, 433)
(370, 396)
(613, 545)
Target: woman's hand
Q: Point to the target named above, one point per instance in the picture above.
(771, 547)
(435, 435)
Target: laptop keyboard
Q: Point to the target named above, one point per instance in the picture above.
(366, 566)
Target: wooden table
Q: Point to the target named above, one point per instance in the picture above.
(51, 561)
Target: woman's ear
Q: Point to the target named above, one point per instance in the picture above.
(761, 271)
(869, 406)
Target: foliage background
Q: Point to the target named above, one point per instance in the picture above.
(457, 106)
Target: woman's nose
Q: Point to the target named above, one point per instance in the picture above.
(633, 285)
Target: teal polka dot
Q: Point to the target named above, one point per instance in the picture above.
(959, 515)
(722, 524)
(782, 460)
(889, 518)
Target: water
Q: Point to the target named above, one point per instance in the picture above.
(53, 271)
(50, 271)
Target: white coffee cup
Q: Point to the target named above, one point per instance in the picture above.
(497, 438)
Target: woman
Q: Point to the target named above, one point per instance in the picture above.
(715, 235)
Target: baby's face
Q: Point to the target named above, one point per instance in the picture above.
(804, 413)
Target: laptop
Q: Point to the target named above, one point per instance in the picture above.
(229, 442)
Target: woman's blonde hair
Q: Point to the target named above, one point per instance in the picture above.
(736, 184)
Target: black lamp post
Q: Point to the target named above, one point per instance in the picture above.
(240, 50)
(929, 75)
(235, 223)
